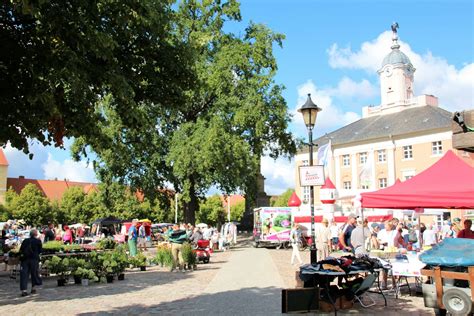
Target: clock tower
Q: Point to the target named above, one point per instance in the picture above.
(396, 75)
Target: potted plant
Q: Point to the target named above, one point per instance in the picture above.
(74, 265)
(163, 257)
(189, 256)
(60, 267)
(86, 275)
(119, 255)
(139, 261)
(103, 265)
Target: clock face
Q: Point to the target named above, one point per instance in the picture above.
(388, 71)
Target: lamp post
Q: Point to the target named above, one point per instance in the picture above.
(309, 110)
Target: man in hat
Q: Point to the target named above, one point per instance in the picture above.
(345, 235)
(323, 239)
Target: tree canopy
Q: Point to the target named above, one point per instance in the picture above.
(283, 198)
(59, 57)
(213, 136)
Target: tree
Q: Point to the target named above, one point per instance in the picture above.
(216, 133)
(5, 213)
(31, 206)
(283, 199)
(60, 57)
(237, 211)
(211, 211)
(72, 204)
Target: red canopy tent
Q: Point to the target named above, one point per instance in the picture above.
(449, 183)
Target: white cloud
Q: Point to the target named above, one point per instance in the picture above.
(349, 88)
(434, 75)
(331, 117)
(21, 165)
(68, 169)
(279, 174)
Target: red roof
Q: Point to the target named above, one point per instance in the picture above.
(234, 199)
(294, 200)
(52, 189)
(328, 184)
(449, 183)
(3, 159)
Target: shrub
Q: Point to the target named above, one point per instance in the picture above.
(84, 273)
(138, 261)
(189, 256)
(106, 243)
(163, 256)
(59, 266)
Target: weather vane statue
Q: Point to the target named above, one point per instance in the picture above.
(395, 27)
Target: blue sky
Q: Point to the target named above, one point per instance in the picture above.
(333, 50)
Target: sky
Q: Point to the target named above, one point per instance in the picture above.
(332, 50)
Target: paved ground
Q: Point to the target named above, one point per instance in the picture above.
(243, 281)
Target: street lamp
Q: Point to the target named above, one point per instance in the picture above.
(309, 110)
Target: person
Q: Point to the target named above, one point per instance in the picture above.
(68, 236)
(387, 235)
(177, 237)
(399, 240)
(429, 236)
(457, 225)
(450, 233)
(132, 238)
(49, 234)
(466, 232)
(294, 238)
(323, 240)
(346, 232)
(374, 243)
(141, 243)
(196, 236)
(334, 235)
(30, 251)
(359, 237)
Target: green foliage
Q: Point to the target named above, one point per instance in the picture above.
(85, 273)
(163, 256)
(5, 213)
(237, 211)
(103, 263)
(282, 200)
(215, 133)
(58, 266)
(64, 56)
(211, 211)
(31, 206)
(189, 256)
(53, 246)
(72, 204)
(119, 255)
(140, 260)
(282, 220)
(106, 243)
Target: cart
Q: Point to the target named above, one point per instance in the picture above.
(451, 284)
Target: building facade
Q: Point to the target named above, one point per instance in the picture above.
(398, 139)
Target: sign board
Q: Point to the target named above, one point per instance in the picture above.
(311, 176)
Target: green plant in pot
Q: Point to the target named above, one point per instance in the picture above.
(85, 275)
(60, 267)
(52, 247)
(119, 255)
(164, 257)
(189, 256)
(103, 265)
(139, 261)
(107, 243)
(74, 265)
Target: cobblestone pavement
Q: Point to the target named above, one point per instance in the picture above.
(243, 281)
(404, 305)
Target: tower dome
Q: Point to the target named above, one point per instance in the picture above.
(396, 57)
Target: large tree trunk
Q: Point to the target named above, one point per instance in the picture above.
(191, 207)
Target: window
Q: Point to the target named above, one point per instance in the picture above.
(347, 185)
(381, 157)
(407, 152)
(436, 148)
(362, 158)
(346, 160)
(382, 182)
(364, 186)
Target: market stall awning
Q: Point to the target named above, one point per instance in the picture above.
(449, 183)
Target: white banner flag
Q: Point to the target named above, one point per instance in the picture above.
(323, 154)
(366, 174)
